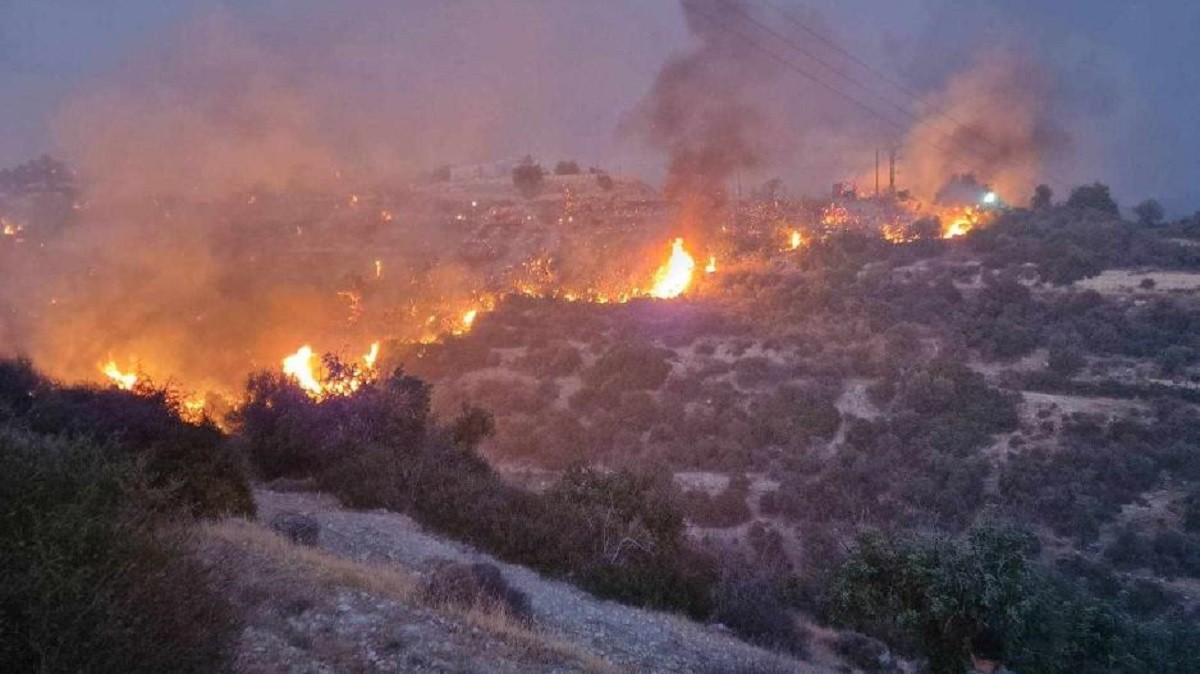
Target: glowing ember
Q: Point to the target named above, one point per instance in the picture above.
(123, 380)
(192, 410)
(836, 216)
(795, 240)
(675, 276)
(378, 268)
(894, 232)
(711, 267)
(299, 366)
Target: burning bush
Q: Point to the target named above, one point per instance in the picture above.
(286, 433)
(191, 460)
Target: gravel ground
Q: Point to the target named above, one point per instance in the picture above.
(630, 638)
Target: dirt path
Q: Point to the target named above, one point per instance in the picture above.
(630, 638)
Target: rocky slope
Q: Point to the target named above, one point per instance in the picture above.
(352, 602)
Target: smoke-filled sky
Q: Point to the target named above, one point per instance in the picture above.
(1105, 90)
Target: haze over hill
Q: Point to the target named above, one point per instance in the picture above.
(519, 325)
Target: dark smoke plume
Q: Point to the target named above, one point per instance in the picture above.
(713, 109)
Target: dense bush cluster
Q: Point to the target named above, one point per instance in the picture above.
(1167, 552)
(203, 474)
(1069, 243)
(1099, 466)
(919, 464)
(928, 595)
(96, 570)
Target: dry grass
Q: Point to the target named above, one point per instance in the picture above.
(1121, 280)
(328, 572)
(526, 640)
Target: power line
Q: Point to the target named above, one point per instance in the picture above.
(790, 43)
(788, 64)
(916, 97)
(838, 48)
(905, 110)
(716, 21)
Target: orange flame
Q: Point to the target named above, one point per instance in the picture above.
(123, 380)
(371, 356)
(299, 366)
(961, 220)
(675, 276)
(795, 240)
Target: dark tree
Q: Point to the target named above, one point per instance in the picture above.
(768, 191)
(1066, 361)
(1041, 198)
(1149, 213)
(1094, 196)
(566, 168)
(527, 178)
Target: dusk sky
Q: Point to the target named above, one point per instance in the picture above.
(555, 77)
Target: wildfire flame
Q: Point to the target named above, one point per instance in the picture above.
(123, 380)
(711, 267)
(961, 220)
(795, 240)
(371, 356)
(675, 276)
(299, 366)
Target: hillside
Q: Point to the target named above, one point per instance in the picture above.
(352, 603)
(840, 441)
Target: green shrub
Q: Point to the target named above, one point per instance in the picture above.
(928, 595)
(95, 576)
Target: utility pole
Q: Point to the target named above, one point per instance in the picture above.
(892, 171)
(876, 173)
